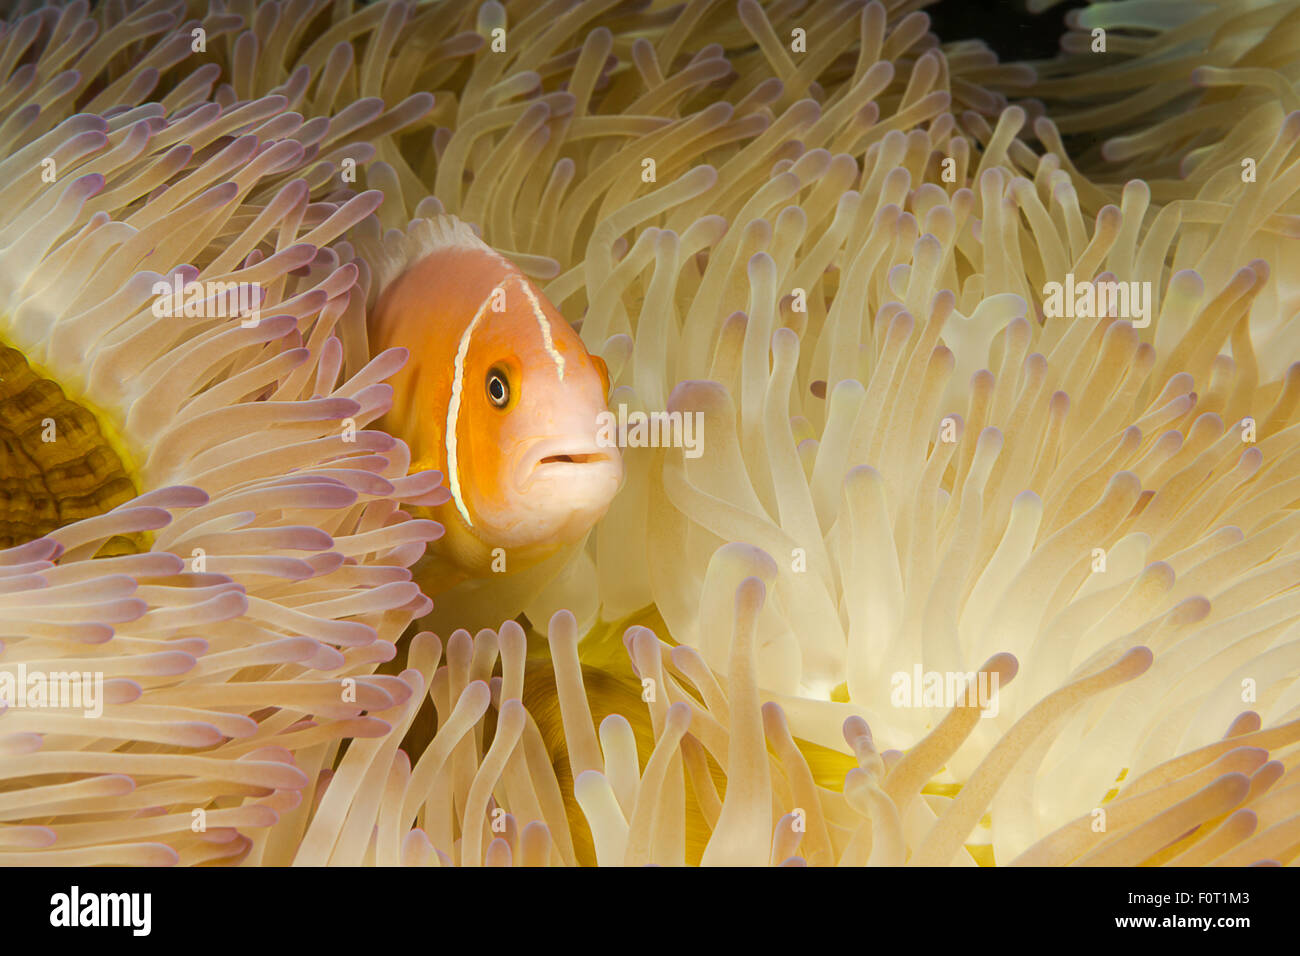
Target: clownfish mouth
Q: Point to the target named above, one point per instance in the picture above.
(579, 458)
(567, 460)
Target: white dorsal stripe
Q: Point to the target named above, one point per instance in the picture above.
(453, 410)
(545, 325)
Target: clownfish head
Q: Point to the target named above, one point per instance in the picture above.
(501, 395)
(522, 427)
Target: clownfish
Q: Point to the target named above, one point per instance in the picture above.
(501, 396)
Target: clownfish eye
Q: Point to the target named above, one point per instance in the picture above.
(498, 388)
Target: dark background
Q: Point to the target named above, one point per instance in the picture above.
(1005, 25)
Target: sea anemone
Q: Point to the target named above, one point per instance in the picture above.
(206, 524)
(837, 259)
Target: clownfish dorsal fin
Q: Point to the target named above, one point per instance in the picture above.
(448, 232)
(397, 250)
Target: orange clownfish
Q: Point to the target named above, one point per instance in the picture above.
(502, 397)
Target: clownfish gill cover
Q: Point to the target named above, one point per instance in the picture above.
(553, 433)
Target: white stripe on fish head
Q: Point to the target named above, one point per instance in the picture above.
(453, 408)
(544, 324)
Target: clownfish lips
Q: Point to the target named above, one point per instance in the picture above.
(569, 460)
(561, 487)
(579, 458)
